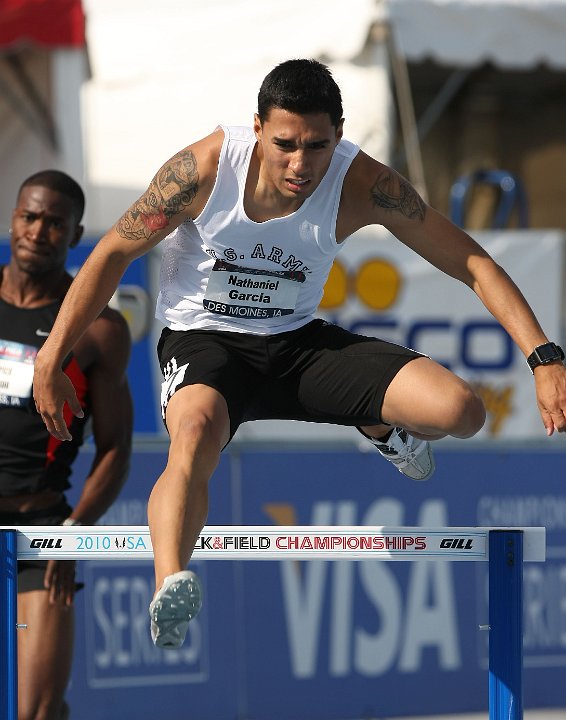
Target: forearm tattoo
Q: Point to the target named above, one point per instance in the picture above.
(392, 192)
(171, 191)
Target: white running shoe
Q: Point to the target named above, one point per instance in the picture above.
(177, 602)
(411, 456)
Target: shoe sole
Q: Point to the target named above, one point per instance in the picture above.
(177, 603)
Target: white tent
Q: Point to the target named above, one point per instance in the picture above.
(509, 33)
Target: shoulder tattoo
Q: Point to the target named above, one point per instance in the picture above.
(170, 192)
(392, 192)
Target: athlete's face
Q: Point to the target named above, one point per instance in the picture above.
(295, 150)
(44, 227)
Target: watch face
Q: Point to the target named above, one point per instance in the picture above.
(548, 352)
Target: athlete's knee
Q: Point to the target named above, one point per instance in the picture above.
(466, 412)
(198, 432)
(198, 416)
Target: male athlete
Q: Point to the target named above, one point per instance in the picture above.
(253, 219)
(34, 466)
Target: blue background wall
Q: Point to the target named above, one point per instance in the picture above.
(329, 640)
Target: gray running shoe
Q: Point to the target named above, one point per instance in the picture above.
(177, 602)
(410, 456)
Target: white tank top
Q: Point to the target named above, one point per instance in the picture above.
(223, 271)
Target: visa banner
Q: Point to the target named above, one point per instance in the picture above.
(328, 640)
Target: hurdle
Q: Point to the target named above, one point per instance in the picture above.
(504, 548)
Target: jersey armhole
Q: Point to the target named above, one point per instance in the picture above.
(354, 150)
(221, 156)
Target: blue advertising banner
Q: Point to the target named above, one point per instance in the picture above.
(319, 640)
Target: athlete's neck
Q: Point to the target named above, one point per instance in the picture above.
(28, 291)
(263, 200)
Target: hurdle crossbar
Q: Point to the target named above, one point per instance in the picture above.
(504, 548)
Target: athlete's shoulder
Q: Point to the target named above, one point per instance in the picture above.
(191, 174)
(206, 151)
(204, 154)
(356, 206)
(363, 172)
(347, 148)
(113, 323)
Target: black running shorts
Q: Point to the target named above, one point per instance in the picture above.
(318, 373)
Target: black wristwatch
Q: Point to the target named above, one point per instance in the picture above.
(544, 354)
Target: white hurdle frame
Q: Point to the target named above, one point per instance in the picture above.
(505, 549)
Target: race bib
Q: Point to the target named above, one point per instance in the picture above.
(240, 292)
(16, 372)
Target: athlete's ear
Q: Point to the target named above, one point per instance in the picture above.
(78, 235)
(257, 126)
(340, 130)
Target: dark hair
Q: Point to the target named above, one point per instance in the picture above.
(59, 182)
(300, 86)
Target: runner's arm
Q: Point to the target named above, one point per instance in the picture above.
(111, 408)
(382, 196)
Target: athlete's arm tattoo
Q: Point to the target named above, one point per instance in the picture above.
(392, 192)
(170, 192)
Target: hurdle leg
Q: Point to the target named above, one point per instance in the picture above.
(8, 627)
(505, 625)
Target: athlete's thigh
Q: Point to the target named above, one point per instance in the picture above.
(193, 361)
(45, 648)
(339, 377)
